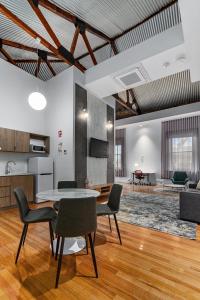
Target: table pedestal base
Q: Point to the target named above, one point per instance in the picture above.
(71, 245)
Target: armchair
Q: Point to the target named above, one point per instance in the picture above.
(180, 177)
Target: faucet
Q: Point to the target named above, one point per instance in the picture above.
(7, 167)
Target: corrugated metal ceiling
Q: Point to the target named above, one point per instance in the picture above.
(167, 92)
(166, 19)
(110, 16)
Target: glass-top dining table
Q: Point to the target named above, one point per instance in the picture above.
(72, 244)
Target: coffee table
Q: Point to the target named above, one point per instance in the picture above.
(175, 187)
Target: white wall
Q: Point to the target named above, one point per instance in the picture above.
(143, 146)
(15, 113)
(60, 116)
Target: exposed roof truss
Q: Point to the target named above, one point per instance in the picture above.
(55, 53)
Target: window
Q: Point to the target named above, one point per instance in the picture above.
(118, 159)
(180, 147)
(120, 153)
(181, 154)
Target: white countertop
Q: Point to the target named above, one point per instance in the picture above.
(16, 174)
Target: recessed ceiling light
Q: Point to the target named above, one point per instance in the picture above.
(181, 58)
(166, 64)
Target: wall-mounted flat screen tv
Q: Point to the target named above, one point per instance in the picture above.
(98, 148)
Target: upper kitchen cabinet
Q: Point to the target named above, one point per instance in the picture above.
(7, 140)
(22, 141)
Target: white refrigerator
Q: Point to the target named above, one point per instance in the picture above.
(42, 167)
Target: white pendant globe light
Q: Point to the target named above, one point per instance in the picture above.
(37, 101)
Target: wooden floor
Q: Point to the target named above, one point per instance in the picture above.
(149, 265)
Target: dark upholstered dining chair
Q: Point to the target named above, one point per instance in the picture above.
(67, 184)
(76, 217)
(112, 206)
(64, 185)
(28, 216)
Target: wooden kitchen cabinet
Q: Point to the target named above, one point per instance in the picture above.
(26, 183)
(22, 141)
(9, 183)
(5, 192)
(5, 181)
(7, 140)
(19, 141)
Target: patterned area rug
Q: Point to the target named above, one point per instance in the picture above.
(159, 212)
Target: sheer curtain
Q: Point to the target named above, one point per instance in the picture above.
(120, 152)
(183, 153)
(181, 147)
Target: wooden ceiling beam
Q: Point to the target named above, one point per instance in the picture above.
(61, 53)
(94, 50)
(134, 100)
(34, 5)
(127, 97)
(75, 39)
(50, 68)
(114, 47)
(120, 101)
(7, 56)
(33, 61)
(87, 44)
(113, 39)
(72, 18)
(23, 47)
(37, 70)
(123, 114)
(42, 55)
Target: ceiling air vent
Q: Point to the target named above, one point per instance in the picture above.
(131, 79)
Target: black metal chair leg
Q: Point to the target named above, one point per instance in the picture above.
(94, 238)
(25, 234)
(86, 243)
(57, 247)
(93, 254)
(109, 223)
(21, 241)
(60, 261)
(51, 237)
(117, 228)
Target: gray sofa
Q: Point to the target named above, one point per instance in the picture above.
(190, 206)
